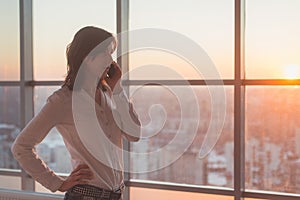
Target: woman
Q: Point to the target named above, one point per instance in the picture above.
(92, 75)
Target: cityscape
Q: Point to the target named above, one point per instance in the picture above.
(272, 137)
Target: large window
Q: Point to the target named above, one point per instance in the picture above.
(271, 116)
(9, 71)
(55, 23)
(161, 110)
(9, 43)
(272, 39)
(9, 124)
(272, 138)
(254, 47)
(210, 24)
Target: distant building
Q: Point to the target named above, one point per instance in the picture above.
(54, 153)
(61, 159)
(296, 176)
(8, 134)
(297, 140)
(140, 160)
(262, 164)
(44, 152)
(216, 169)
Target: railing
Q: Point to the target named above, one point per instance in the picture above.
(6, 194)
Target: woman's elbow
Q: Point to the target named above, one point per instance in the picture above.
(14, 149)
(17, 150)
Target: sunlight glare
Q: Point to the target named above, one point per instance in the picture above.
(291, 71)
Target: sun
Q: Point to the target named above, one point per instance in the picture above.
(291, 71)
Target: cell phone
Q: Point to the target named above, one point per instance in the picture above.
(111, 70)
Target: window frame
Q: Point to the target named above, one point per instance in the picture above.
(238, 192)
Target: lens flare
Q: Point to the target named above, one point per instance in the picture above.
(292, 71)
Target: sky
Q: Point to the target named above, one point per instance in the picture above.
(272, 42)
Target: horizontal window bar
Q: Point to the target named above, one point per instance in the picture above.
(215, 82)
(179, 187)
(45, 83)
(178, 82)
(270, 195)
(17, 172)
(172, 82)
(210, 190)
(17, 194)
(271, 82)
(10, 172)
(10, 83)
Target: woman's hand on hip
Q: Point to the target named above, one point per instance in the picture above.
(80, 175)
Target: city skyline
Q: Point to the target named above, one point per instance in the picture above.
(264, 139)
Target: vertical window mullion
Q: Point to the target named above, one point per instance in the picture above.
(122, 26)
(239, 102)
(26, 75)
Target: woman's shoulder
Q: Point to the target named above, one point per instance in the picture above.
(61, 96)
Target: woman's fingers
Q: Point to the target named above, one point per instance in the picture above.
(115, 77)
(80, 175)
(81, 166)
(81, 172)
(117, 67)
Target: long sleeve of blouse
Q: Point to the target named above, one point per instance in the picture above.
(36, 130)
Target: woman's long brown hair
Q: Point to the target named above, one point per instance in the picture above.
(83, 43)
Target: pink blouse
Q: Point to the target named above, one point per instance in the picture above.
(99, 145)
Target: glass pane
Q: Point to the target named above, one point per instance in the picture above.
(169, 114)
(272, 39)
(209, 23)
(9, 124)
(273, 138)
(10, 182)
(9, 40)
(55, 24)
(52, 149)
(149, 194)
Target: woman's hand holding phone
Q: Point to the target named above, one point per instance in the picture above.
(113, 78)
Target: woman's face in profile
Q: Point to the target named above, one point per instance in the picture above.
(99, 64)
